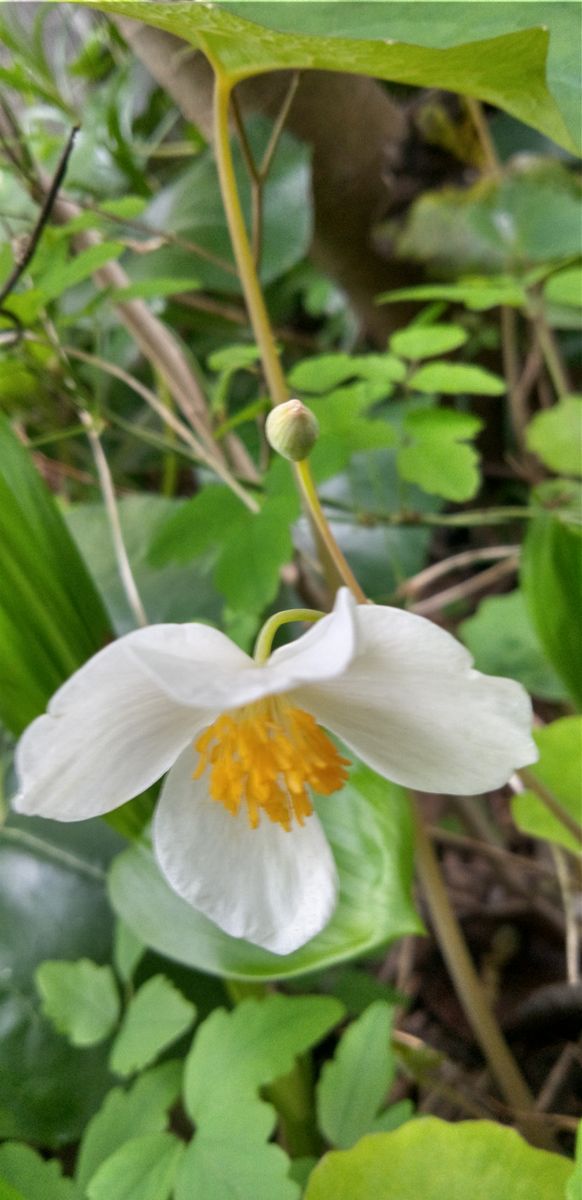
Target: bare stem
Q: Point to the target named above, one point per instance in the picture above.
(108, 493)
(572, 922)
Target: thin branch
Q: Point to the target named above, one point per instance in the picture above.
(492, 165)
(456, 562)
(108, 493)
(43, 216)
(569, 901)
(508, 566)
(279, 125)
(168, 417)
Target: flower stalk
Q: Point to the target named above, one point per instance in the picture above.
(261, 324)
(448, 932)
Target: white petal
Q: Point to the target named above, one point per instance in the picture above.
(273, 888)
(197, 665)
(410, 706)
(108, 734)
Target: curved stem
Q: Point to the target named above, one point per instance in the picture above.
(267, 633)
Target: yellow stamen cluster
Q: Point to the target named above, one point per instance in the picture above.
(267, 755)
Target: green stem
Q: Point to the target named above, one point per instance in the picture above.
(267, 633)
(260, 322)
(240, 244)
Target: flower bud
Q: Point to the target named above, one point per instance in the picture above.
(292, 430)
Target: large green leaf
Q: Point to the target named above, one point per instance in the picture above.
(457, 24)
(368, 826)
(51, 615)
(437, 1161)
(508, 71)
(550, 577)
(52, 905)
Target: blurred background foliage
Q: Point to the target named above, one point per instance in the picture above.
(420, 257)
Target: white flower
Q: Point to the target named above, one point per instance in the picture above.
(234, 832)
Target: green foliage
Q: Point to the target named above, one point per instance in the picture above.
(233, 1055)
(436, 457)
(51, 616)
(559, 770)
(575, 1181)
(555, 435)
(157, 1015)
(144, 1168)
(354, 1084)
(565, 287)
(181, 593)
(24, 1175)
(52, 905)
(508, 71)
(455, 379)
(248, 558)
(80, 998)
(426, 341)
(192, 207)
(369, 829)
(503, 641)
(438, 1161)
(532, 215)
(140, 1111)
(478, 293)
(550, 578)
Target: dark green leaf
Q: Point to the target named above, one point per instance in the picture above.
(52, 903)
